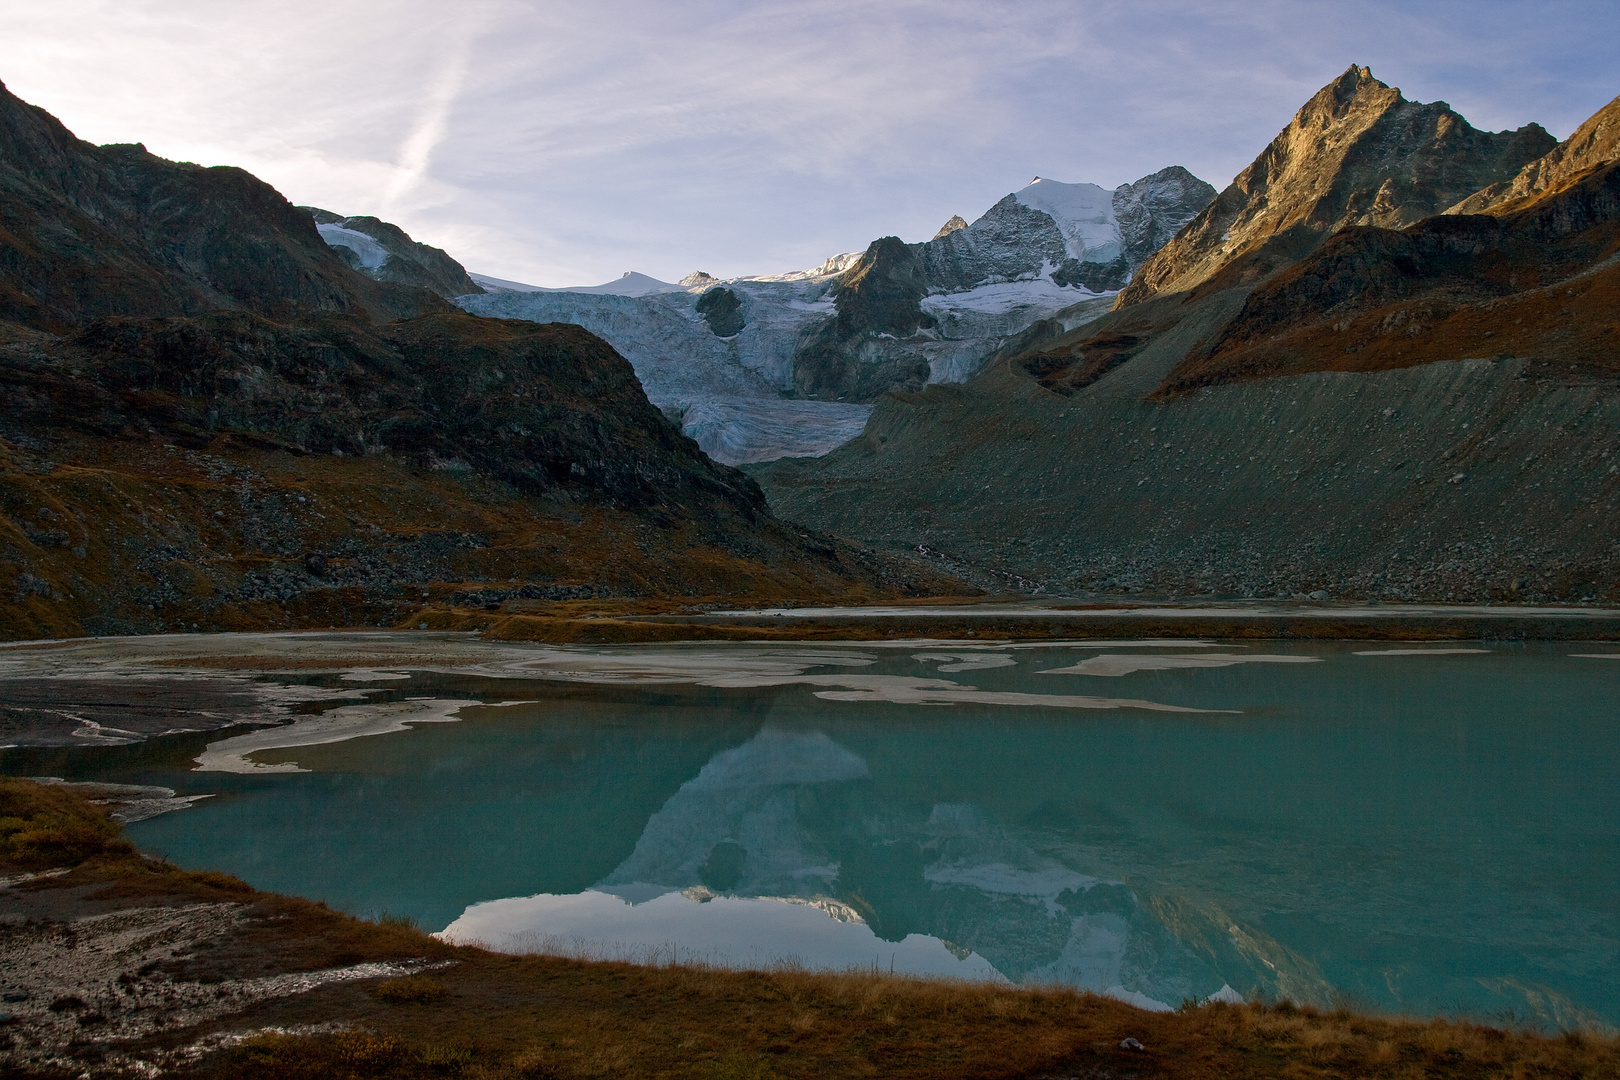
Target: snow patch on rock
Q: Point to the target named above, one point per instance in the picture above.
(368, 251)
(1084, 214)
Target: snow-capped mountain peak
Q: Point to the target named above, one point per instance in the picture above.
(862, 323)
(630, 283)
(1084, 214)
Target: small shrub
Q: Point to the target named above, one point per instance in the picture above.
(411, 990)
(444, 1058)
(368, 1055)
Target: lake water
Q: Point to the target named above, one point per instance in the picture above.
(1405, 828)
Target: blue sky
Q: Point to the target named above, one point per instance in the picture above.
(564, 143)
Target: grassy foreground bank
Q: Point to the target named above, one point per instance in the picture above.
(212, 999)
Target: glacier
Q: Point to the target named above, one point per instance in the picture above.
(1084, 214)
(368, 253)
(1051, 250)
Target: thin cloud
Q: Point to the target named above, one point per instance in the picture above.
(434, 123)
(564, 144)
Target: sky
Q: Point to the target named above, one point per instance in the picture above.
(566, 143)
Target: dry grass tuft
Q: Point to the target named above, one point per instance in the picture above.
(44, 827)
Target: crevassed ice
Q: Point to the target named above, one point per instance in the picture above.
(370, 253)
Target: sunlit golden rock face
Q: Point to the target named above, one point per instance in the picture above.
(1595, 143)
(1357, 153)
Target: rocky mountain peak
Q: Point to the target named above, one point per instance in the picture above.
(1153, 209)
(1595, 143)
(1095, 238)
(880, 293)
(1357, 153)
(951, 226)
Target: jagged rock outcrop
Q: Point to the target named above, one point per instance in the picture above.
(880, 297)
(723, 312)
(385, 252)
(234, 429)
(951, 226)
(1594, 144)
(1357, 153)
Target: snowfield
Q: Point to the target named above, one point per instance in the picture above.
(1084, 214)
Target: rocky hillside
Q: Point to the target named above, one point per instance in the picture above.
(1594, 144)
(1080, 238)
(1535, 279)
(384, 252)
(91, 231)
(1521, 269)
(1312, 389)
(1357, 153)
(208, 419)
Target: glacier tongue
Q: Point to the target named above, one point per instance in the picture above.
(629, 283)
(725, 392)
(1049, 251)
(739, 430)
(728, 392)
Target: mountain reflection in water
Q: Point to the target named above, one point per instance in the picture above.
(1418, 830)
(767, 824)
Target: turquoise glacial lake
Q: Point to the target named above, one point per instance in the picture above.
(1411, 829)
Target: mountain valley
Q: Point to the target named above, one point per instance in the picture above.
(1350, 376)
(1173, 631)
(1379, 365)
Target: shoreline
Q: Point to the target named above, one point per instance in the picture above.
(262, 985)
(76, 692)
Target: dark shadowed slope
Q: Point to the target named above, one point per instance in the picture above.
(206, 419)
(88, 231)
